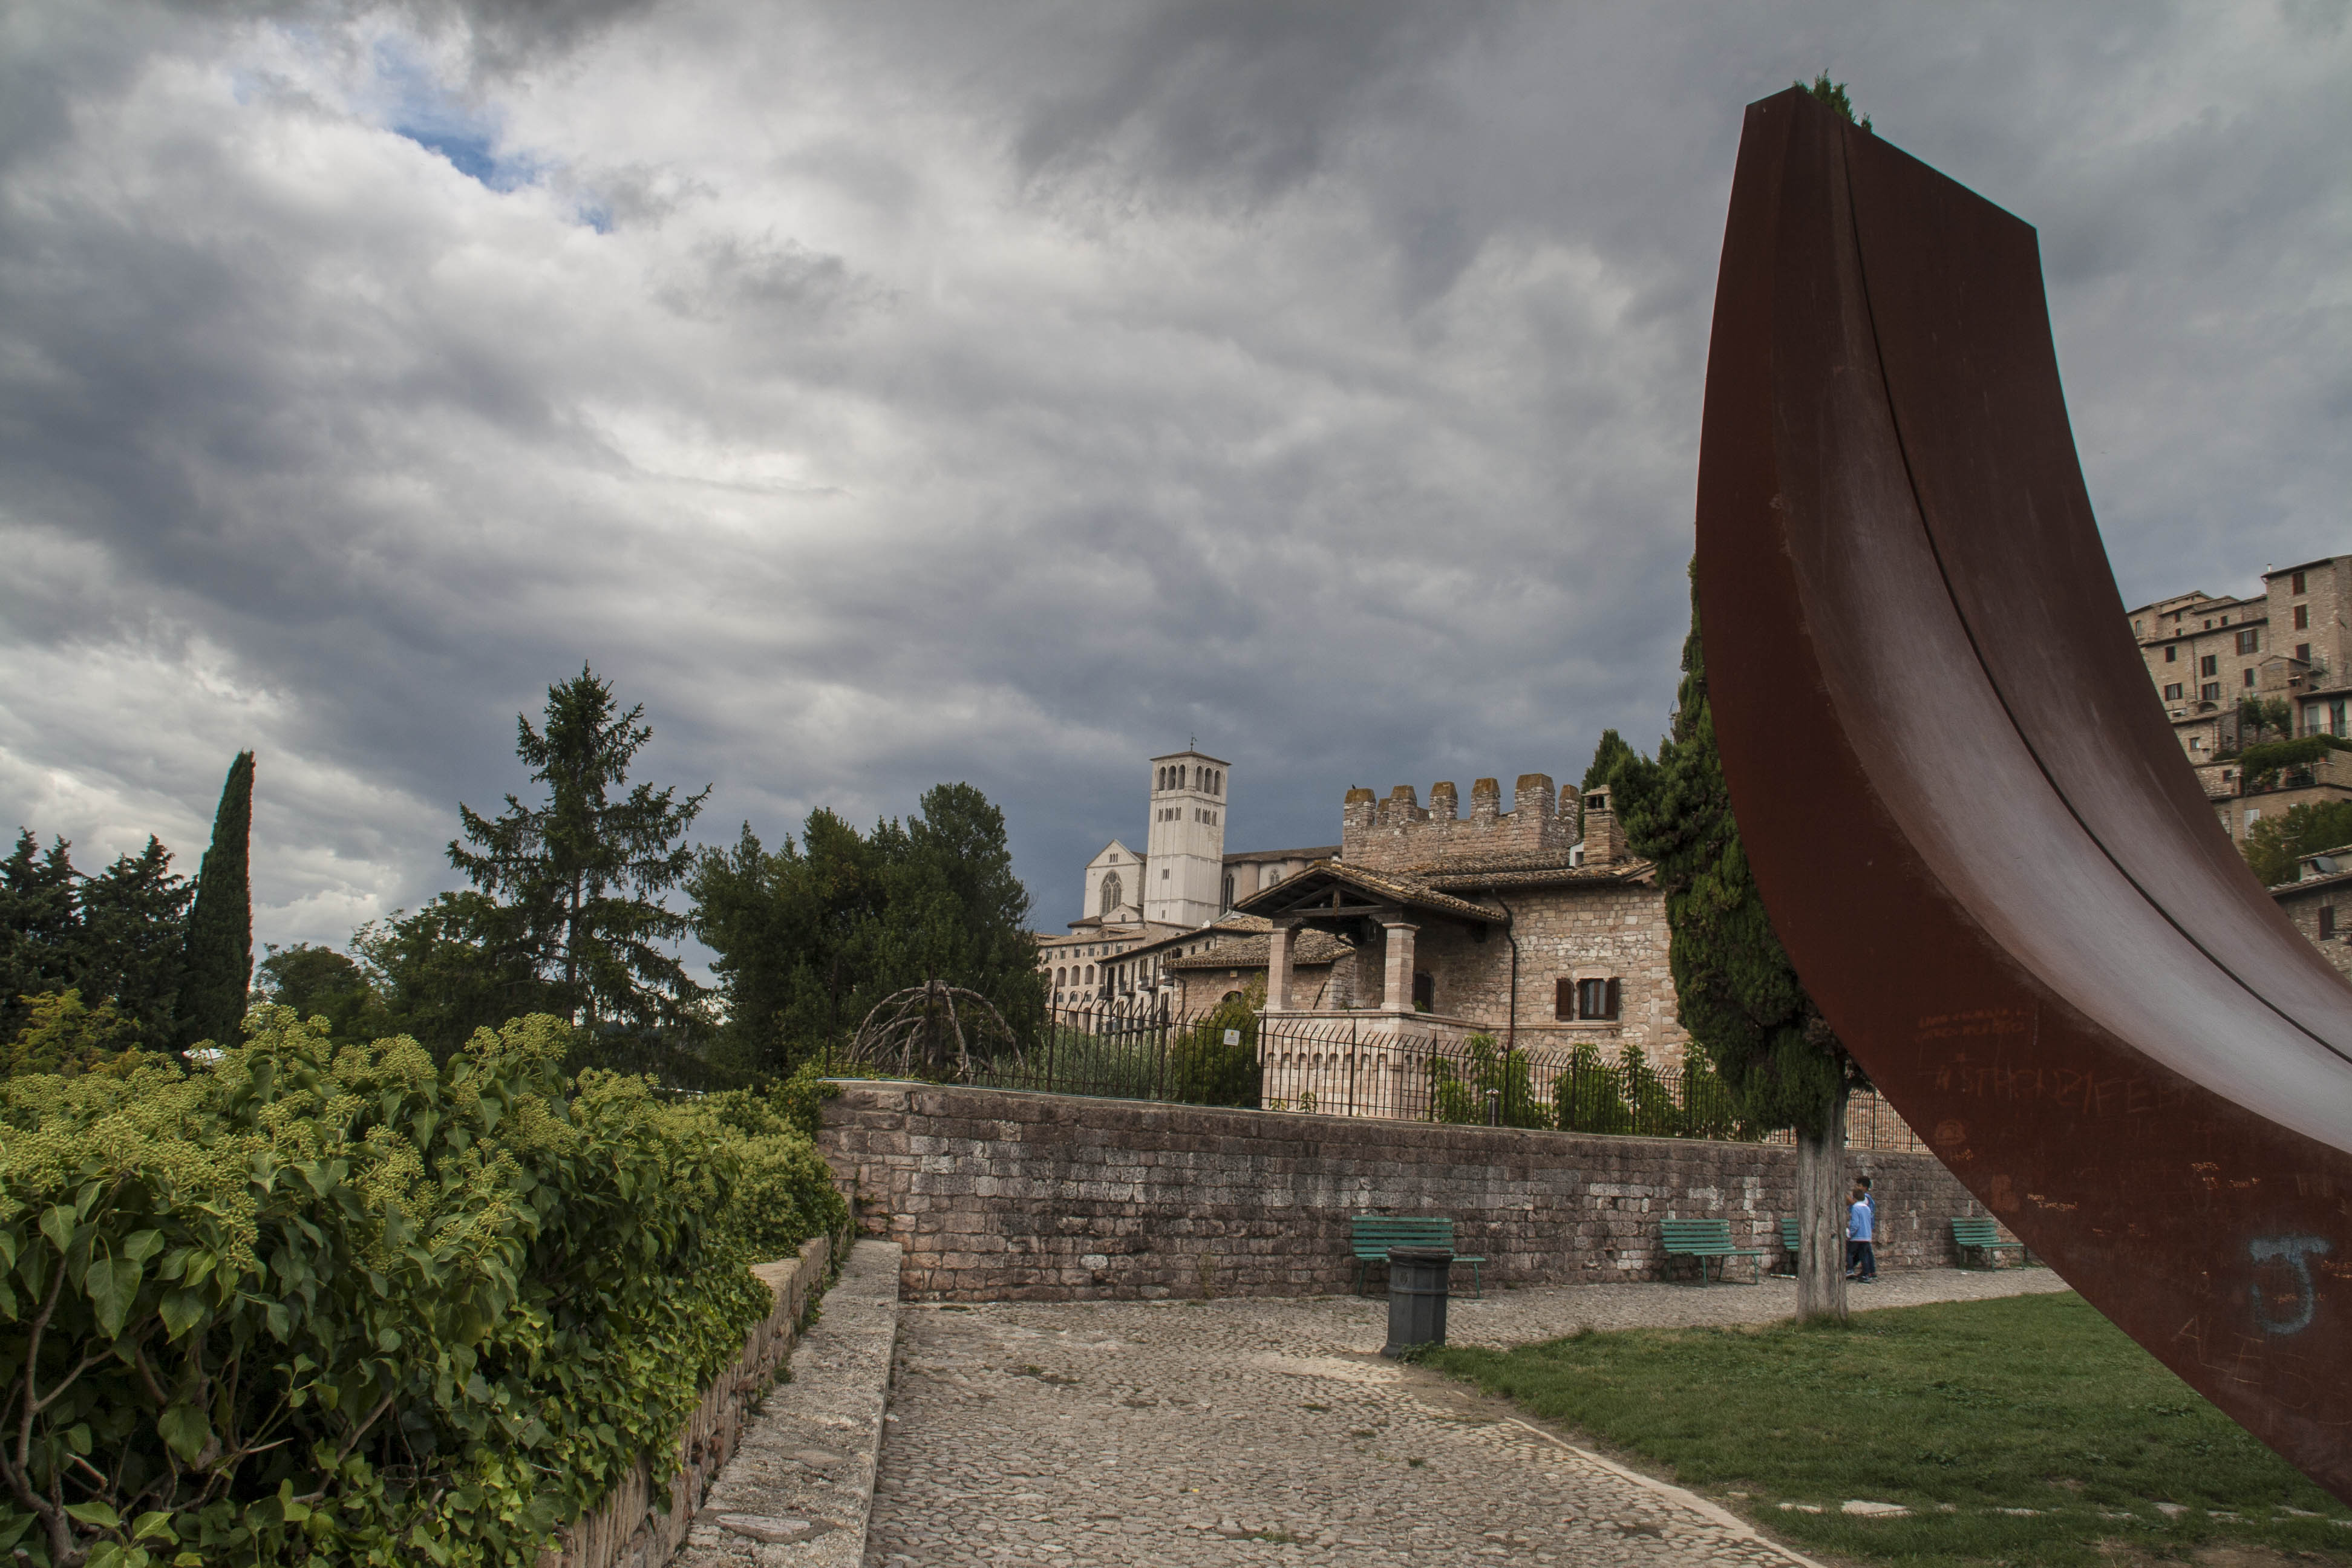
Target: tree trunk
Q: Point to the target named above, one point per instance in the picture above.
(1822, 1217)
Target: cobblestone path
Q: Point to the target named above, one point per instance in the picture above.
(1272, 1431)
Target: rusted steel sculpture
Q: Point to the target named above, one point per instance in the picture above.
(1977, 835)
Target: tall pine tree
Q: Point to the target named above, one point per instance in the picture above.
(579, 878)
(217, 964)
(1735, 990)
(134, 922)
(40, 926)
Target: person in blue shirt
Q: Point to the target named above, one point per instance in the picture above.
(1861, 1230)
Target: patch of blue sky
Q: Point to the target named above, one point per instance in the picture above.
(429, 114)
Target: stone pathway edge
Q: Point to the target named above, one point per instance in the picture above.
(799, 1490)
(1681, 1496)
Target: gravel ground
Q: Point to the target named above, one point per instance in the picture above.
(1272, 1431)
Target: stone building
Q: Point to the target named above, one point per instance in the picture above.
(2291, 643)
(1499, 922)
(1153, 906)
(2320, 905)
(1426, 919)
(2205, 652)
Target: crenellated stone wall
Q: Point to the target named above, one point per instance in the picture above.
(996, 1194)
(1400, 833)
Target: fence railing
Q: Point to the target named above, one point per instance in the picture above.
(1382, 1065)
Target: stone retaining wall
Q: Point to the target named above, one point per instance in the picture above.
(998, 1195)
(624, 1531)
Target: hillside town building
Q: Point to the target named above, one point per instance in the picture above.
(2290, 644)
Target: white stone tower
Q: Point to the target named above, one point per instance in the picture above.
(1185, 864)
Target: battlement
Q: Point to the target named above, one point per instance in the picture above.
(1400, 834)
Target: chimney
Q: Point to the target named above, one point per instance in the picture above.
(1604, 841)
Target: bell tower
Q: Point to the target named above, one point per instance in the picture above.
(1184, 866)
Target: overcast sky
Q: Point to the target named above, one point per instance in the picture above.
(888, 393)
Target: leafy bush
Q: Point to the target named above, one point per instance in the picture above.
(1459, 1096)
(342, 1305)
(2260, 766)
(1586, 1094)
(2276, 845)
(1203, 1069)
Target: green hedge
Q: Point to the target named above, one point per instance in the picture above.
(319, 1306)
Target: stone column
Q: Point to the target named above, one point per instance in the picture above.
(1277, 969)
(1397, 990)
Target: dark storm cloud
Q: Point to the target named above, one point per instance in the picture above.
(888, 393)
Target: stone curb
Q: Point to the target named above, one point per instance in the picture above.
(800, 1489)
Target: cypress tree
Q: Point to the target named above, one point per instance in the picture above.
(217, 966)
(1735, 989)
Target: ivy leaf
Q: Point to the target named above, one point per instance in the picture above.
(184, 1430)
(142, 1244)
(112, 1285)
(156, 1526)
(57, 1225)
(281, 1321)
(289, 1510)
(183, 1311)
(95, 1513)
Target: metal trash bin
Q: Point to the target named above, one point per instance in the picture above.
(1417, 1279)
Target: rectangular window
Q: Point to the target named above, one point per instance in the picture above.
(2249, 641)
(2303, 617)
(2298, 588)
(2172, 692)
(2209, 665)
(2249, 675)
(2327, 921)
(2170, 653)
(1596, 1000)
(2302, 652)
(2209, 692)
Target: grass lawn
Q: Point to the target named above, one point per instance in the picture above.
(2023, 1430)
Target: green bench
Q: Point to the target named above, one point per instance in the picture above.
(1792, 1241)
(1374, 1234)
(1704, 1239)
(1978, 1234)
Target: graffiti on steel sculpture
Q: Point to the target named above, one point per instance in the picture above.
(1976, 834)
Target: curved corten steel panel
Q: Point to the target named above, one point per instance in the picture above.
(1977, 835)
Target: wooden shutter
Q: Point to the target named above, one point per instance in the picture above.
(1613, 1000)
(1563, 999)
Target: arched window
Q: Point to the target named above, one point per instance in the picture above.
(1113, 892)
(1229, 889)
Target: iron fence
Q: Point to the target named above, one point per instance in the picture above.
(1379, 1064)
